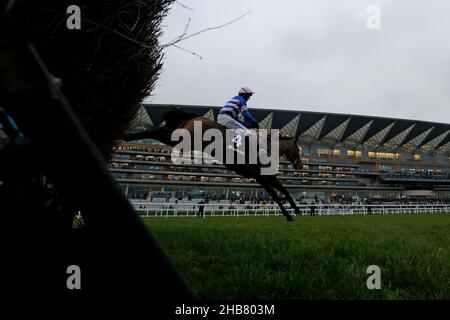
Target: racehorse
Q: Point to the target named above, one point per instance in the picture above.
(178, 119)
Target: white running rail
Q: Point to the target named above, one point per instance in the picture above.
(216, 210)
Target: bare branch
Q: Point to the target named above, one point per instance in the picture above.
(179, 39)
(183, 34)
(173, 43)
(191, 52)
(184, 6)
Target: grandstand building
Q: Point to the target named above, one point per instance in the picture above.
(343, 156)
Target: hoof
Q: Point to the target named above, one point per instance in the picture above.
(289, 218)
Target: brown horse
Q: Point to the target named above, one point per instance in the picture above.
(182, 120)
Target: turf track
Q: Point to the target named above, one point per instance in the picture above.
(312, 258)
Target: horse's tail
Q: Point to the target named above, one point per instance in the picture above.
(176, 118)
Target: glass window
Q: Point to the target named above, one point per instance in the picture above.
(324, 152)
(383, 155)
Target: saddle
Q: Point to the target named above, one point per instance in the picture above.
(257, 133)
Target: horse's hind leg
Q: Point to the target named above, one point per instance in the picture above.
(277, 185)
(271, 191)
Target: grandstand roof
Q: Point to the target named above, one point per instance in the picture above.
(354, 131)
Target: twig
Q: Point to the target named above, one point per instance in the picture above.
(183, 34)
(184, 6)
(173, 43)
(191, 52)
(179, 39)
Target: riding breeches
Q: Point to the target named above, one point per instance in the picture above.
(239, 130)
(230, 123)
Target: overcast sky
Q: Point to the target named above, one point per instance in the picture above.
(313, 55)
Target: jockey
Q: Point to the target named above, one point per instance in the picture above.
(229, 113)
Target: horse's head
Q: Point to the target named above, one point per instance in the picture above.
(290, 150)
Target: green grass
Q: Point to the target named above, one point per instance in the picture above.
(312, 258)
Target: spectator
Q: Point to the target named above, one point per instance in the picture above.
(312, 209)
(201, 209)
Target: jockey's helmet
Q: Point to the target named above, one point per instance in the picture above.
(246, 90)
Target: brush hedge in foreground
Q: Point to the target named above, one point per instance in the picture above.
(108, 66)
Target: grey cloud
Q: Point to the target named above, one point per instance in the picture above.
(314, 55)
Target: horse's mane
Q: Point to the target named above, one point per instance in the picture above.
(285, 136)
(281, 136)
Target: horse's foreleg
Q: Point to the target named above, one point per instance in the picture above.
(271, 191)
(277, 185)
